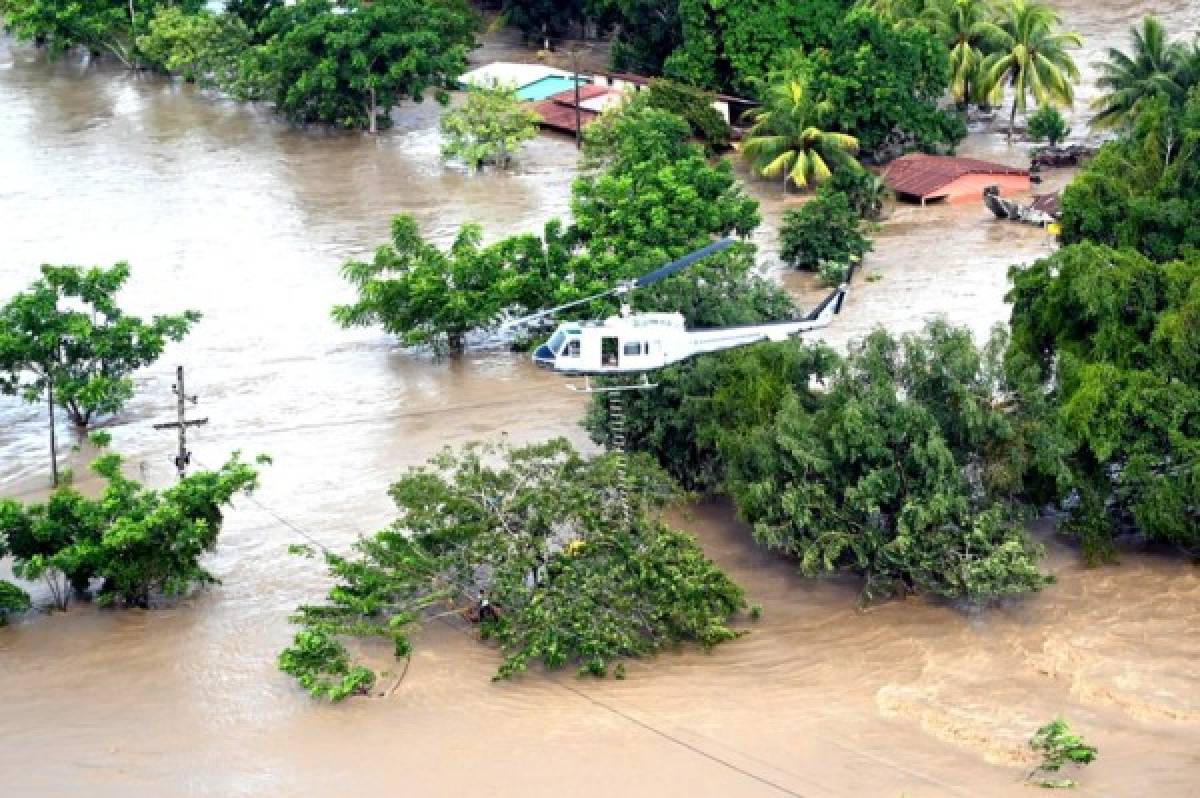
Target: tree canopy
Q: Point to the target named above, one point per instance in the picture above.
(102, 26)
(348, 64)
(139, 542)
(903, 468)
(1142, 190)
(490, 127)
(1112, 336)
(542, 534)
(825, 229)
(67, 332)
(875, 81)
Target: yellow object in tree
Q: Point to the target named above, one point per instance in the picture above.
(1054, 228)
(574, 547)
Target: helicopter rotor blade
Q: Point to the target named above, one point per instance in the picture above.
(679, 264)
(520, 321)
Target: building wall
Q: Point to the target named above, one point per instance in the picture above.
(969, 188)
(629, 87)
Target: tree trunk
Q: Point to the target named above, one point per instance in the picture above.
(53, 443)
(1012, 119)
(372, 113)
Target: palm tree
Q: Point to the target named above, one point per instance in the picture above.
(1154, 67)
(1032, 57)
(784, 141)
(967, 29)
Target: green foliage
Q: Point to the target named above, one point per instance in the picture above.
(825, 230)
(1155, 67)
(704, 406)
(868, 193)
(431, 297)
(200, 47)
(900, 474)
(969, 32)
(542, 533)
(656, 198)
(692, 104)
(1059, 747)
(875, 81)
(784, 141)
(1111, 337)
(66, 332)
(553, 19)
(733, 46)
(1142, 190)
(102, 26)
(322, 666)
(490, 127)
(651, 196)
(1048, 124)
(1031, 55)
(347, 66)
(251, 13)
(902, 468)
(13, 600)
(139, 542)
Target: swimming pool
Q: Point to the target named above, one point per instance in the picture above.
(544, 87)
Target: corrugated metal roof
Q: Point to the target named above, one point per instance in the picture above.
(587, 91)
(562, 117)
(923, 175)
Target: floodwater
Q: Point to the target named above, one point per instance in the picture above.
(221, 208)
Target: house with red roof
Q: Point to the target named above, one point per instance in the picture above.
(933, 178)
(558, 111)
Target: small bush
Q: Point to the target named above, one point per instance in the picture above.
(825, 229)
(1048, 125)
(1059, 747)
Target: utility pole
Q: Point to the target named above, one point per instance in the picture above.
(182, 423)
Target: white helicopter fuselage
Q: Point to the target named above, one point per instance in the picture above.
(644, 342)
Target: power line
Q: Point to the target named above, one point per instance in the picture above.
(664, 734)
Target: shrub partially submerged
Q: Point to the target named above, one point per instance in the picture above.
(542, 533)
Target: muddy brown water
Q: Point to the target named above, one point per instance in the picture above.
(221, 208)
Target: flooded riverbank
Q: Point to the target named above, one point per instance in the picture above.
(221, 208)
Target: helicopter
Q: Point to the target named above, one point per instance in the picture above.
(638, 343)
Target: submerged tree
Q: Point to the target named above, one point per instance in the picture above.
(968, 30)
(490, 127)
(202, 47)
(65, 340)
(1032, 57)
(823, 230)
(12, 598)
(430, 297)
(1155, 66)
(348, 64)
(1111, 339)
(1048, 125)
(902, 473)
(785, 143)
(543, 535)
(139, 542)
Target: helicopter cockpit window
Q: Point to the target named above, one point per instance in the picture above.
(572, 348)
(556, 340)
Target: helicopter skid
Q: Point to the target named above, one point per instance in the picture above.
(644, 385)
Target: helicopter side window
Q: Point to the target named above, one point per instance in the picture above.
(608, 351)
(633, 348)
(572, 348)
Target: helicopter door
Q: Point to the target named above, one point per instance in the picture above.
(608, 352)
